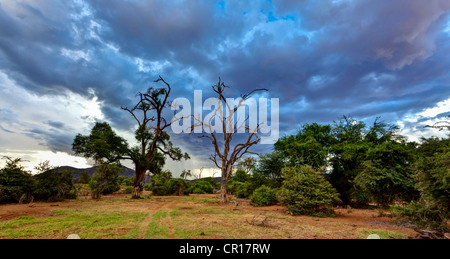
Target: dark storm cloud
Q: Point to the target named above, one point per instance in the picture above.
(55, 140)
(55, 124)
(323, 59)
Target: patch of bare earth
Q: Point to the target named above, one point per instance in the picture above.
(241, 220)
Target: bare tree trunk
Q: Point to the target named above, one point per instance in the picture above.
(223, 191)
(226, 174)
(137, 184)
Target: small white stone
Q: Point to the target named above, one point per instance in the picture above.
(73, 236)
(373, 236)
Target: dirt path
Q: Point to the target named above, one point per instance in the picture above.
(167, 206)
(171, 206)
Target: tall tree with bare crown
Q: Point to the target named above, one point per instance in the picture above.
(225, 153)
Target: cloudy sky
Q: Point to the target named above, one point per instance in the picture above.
(66, 64)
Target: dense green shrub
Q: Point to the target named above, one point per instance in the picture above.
(240, 176)
(84, 177)
(306, 192)
(147, 187)
(240, 184)
(264, 196)
(433, 178)
(178, 187)
(54, 186)
(16, 184)
(128, 190)
(432, 210)
(244, 190)
(212, 181)
(421, 215)
(159, 186)
(202, 187)
(105, 180)
(127, 181)
(381, 185)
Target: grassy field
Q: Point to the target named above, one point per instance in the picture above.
(190, 217)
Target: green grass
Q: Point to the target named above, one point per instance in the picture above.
(364, 232)
(201, 200)
(88, 225)
(158, 228)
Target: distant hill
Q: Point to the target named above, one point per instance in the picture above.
(127, 172)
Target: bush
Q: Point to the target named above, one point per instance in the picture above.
(147, 187)
(264, 196)
(105, 180)
(16, 184)
(212, 181)
(421, 215)
(433, 179)
(54, 186)
(202, 187)
(127, 181)
(128, 190)
(240, 176)
(306, 192)
(159, 186)
(432, 210)
(84, 177)
(178, 187)
(243, 190)
(382, 185)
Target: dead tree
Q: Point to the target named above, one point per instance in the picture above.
(441, 125)
(225, 154)
(151, 134)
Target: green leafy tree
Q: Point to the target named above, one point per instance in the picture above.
(310, 146)
(247, 164)
(269, 170)
(102, 144)
(433, 181)
(150, 134)
(348, 155)
(240, 175)
(386, 175)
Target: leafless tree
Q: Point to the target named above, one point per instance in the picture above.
(225, 153)
(186, 173)
(441, 125)
(199, 175)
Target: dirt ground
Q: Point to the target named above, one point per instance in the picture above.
(262, 222)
